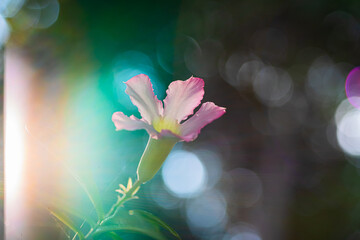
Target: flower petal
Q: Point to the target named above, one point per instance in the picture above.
(141, 93)
(131, 123)
(183, 97)
(207, 113)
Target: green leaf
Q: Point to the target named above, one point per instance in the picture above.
(67, 221)
(62, 206)
(90, 188)
(114, 236)
(158, 221)
(128, 222)
(133, 229)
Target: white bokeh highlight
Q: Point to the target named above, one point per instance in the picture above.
(348, 132)
(184, 174)
(207, 211)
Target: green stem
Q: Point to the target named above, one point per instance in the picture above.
(114, 209)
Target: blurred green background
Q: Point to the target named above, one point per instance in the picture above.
(281, 164)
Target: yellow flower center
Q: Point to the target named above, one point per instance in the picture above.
(166, 124)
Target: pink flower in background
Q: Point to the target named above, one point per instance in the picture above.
(168, 120)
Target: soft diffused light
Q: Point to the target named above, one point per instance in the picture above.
(184, 174)
(15, 105)
(207, 211)
(348, 132)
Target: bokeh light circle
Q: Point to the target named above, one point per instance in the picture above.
(246, 236)
(325, 79)
(242, 231)
(352, 87)
(161, 196)
(9, 8)
(207, 211)
(213, 165)
(184, 174)
(201, 58)
(247, 188)
(348, 132)
(343, 108)
(273, 86)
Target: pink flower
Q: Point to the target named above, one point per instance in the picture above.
(170, 120)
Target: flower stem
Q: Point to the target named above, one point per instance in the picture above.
(115, 208)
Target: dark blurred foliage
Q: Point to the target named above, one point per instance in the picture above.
(285, 134)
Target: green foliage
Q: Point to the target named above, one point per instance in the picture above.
(138, 222)
(92, 192)
(156, 220)
(114, 236)
(64, 207)
(117, 222)
(68, 222)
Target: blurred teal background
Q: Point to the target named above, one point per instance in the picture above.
(283, 162)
